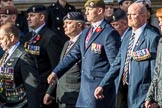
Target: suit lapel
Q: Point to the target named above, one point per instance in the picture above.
(64, 50)
(11, 62)
(140, 40)
(84, 34)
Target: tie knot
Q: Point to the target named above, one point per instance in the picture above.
(33, 33)
(70, 43)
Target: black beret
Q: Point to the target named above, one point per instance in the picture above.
(36, 8)
(118, 15)
(74, 16)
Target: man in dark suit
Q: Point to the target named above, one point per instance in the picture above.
(19, 78)
(135, 60)
(56, 12)
(68, 85)
(42, 43)
(97, 48)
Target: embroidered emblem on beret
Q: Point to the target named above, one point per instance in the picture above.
(33, 9)
(7, 11)
(91, 4)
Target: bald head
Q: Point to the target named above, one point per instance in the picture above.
(137, 15)
(8, 36)
(138, 7)
(10, 28)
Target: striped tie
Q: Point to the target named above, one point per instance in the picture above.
(89, 36)
(69, 46)
(126, 65)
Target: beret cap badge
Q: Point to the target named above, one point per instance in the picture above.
(91, 4)
(33, 9)
(68, 16)
(7, 11)
(113, 17)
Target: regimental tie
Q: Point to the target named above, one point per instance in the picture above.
(3, 59)
(89, 36)
(69, 46)
(128, 57)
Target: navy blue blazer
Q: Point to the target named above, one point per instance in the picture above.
(96, 60)
(141, 72)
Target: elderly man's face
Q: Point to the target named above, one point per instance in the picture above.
(7, 3)
(5, 40)
(70, 27)
(135, 17)
(120, 26)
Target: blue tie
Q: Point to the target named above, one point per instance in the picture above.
(126, 65)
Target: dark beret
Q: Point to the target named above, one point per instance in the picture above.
(74, 16)
(118, 15)
(8, 10)
(36, 8)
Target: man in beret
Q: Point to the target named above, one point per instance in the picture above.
(120, 22)
(97, 48)
(21, 21)
(42, 43)
(9, 14)
(124, 4)
(154, 95)
(68, 85)
(56, 13)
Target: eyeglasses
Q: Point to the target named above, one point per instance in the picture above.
(6, 0)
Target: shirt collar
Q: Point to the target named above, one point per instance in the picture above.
(96, 24)
(75, 38)
(139, 30)
(12, 49)
(39, 28)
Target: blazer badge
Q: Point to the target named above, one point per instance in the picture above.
(140, 55)
(96, 48)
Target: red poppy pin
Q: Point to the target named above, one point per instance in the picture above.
(37, 38)
(98, 29)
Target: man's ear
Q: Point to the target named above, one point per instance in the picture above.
(12, 37)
